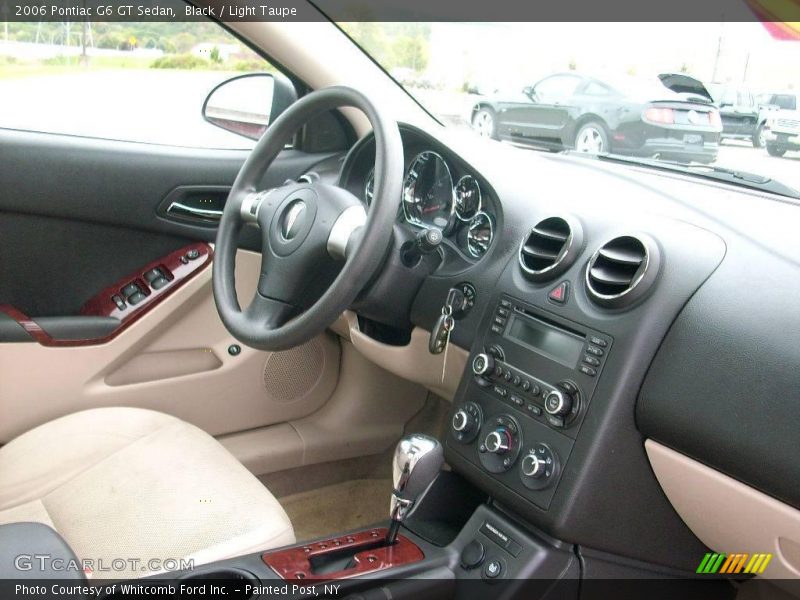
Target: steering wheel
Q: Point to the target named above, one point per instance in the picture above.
(312, 264)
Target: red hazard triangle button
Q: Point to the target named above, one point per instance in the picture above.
(559, 293)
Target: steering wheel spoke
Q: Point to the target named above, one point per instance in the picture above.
(270, 313)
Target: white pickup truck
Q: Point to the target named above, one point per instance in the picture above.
(782, 128)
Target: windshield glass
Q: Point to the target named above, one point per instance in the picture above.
(700, 97)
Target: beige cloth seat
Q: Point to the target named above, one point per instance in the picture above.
(128, 483)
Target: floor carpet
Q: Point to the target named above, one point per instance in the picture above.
(336, 508)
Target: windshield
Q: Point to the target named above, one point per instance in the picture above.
(580, 87)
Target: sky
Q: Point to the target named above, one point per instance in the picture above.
(507, 54)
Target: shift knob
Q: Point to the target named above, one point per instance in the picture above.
(417, 461)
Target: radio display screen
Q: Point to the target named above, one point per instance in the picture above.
(562, 346)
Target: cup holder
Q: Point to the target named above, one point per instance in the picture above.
(229, 582)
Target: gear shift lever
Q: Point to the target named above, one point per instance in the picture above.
(417, 461)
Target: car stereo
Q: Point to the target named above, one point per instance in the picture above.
(533, 374)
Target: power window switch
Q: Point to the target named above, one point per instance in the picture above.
(153, 274)
(157, 284)
(119, 302)
(131, 289)
(136, 298)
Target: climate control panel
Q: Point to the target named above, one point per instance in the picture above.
(524, 454)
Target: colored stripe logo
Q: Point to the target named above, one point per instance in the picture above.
(753, 564)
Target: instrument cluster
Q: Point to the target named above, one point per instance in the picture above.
(436, 195)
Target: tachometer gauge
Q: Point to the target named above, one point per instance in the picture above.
(467, 197)
(369, 187)
(428, 192)
(479, 234)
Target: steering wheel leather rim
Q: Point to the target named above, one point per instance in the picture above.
(259, 325)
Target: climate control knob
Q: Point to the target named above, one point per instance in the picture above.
(498, 441)
(463, 422)
(558, 403)
(532, 466)
(482, 364)
(539, 467)
(466, 423)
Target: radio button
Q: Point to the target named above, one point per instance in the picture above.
(591, 360)
(483, 364)
(517, 400)
(497, 329)
(517, 381)
(557, 403)
(526, 386)
(502, 312)
(598, 341)
(586, 370)
(555, 421)
(533, 409)
(594, 350)
(500, 391)
(536, 390)
(505, 303)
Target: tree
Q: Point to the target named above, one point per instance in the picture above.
(410, 52)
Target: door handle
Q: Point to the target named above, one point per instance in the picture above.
(183, 210)
(199, 205)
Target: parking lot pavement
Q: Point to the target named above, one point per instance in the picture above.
(742, 156)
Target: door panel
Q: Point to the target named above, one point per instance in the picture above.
(121, 183)
(77, 215)
(174, 360)
(52, 266)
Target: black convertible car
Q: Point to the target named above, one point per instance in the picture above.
(617, 114)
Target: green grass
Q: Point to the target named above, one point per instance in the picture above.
(14, 69)
(62, 65)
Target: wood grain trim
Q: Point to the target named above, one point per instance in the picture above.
(29, 325)
(176, 267)
(295, 563)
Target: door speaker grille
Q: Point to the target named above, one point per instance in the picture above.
(291, 374)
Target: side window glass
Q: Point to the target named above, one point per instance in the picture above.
(140, 82)
(594, 88)
(557, 86)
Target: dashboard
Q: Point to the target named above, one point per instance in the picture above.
(612, 305)
(439, 191)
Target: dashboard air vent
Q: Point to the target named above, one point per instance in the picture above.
(622, 270)
(550, 248)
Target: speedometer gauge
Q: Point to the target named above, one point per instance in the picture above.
(467, 196)
(479, 234)
(428, 192)
(369, 187)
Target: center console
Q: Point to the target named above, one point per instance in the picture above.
(532, 379)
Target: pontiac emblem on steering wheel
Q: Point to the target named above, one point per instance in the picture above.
(292, 222)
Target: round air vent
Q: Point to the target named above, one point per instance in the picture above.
(622, 270)
(550, 248)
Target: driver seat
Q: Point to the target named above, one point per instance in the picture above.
(135, 484)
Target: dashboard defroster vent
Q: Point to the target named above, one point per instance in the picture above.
(622, 270)
(550, 247)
